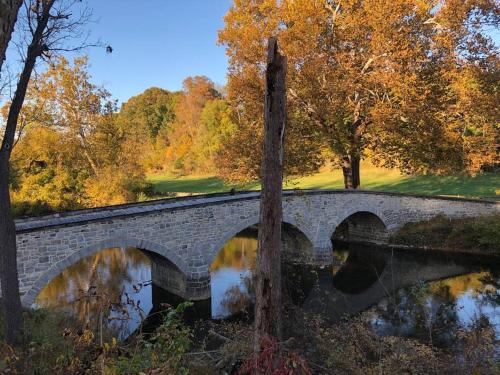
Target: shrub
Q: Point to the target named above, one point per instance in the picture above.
(274, 361)
(472, 234)
(162, 352)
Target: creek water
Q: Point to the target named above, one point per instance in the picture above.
(400, 293)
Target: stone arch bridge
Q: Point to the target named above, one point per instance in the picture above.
(187, 233)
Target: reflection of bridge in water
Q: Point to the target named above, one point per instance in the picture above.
(189, 233)
(350, 286)
(366, 278)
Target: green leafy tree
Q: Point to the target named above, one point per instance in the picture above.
(146, 120)
(150, 113)
(216, 126)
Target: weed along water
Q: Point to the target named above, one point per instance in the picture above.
(420, 295)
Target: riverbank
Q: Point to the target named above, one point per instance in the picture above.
(477, 235)
(310, 346)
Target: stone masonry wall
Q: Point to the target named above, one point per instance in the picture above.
(189, 232)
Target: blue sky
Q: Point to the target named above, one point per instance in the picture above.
(158, 43)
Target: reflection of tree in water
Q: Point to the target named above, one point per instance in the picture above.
(240, 298)
(297, 282)
(473, 283)
(491, 287)
(238, 253)
(96, 283)
(429, 311)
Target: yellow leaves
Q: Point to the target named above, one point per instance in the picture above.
(112, 186)
(87, 337)
(378, 59)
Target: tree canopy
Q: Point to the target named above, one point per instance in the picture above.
(377, 76)
(70, 151)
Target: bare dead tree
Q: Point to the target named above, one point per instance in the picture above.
(46, 28)
(268, 268)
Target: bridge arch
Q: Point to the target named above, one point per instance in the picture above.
(252, 221)
(361, 226)
(122, 242)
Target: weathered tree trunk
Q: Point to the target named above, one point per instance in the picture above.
(268, 269)
(350, 169)
(8, 261)
(8, 17)
(8, 251)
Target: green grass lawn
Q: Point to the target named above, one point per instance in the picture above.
(372, 178)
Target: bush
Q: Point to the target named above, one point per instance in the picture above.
(114, 186)
(54, 343)
(162, 352)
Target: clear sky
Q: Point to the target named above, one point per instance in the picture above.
(156, 43)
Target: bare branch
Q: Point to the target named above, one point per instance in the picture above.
(333, 10)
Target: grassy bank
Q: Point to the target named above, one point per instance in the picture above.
(372, 178)
(479, 234)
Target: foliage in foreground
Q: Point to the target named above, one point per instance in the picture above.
(55, 345)
(470, 234)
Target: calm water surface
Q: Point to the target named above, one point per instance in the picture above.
(400, 293)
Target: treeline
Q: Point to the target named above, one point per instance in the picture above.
(412, 85)
(75, 149)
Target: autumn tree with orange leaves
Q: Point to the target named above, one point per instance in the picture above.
(414, 83)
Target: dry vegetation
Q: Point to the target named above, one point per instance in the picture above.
(477, 234)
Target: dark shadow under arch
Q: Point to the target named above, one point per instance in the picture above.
(362, 268)
(361, 226)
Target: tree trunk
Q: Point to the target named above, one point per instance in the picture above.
(268, 268)
(8, 17)
(8, 251)
(8, 261)
(350, 168)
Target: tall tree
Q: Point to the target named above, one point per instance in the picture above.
(8, 17)
(216, 127)
(70, 150)
(362, 75)
(268, 267)
(146, 120)
(151, 112)
(197, 92)
(49, 23)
